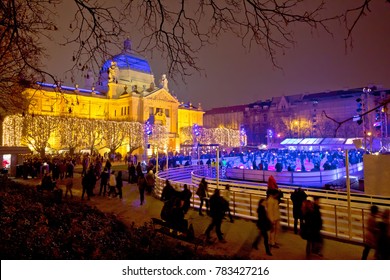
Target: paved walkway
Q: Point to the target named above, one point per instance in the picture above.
(239, 235)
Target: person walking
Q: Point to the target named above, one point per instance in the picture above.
(383, 242)
(264, 225)
(141, 188)
(185, 196)
(371, 232)
(297, 197)
(85, 182)
(311, 226)
(138, 169)
(218, 207)
(104, 176)
(150, 181)
(226, 195)
(119, 184)
(274, 215)
(69, 186)
(202, 192)
(168, 192)
(131, 170)
(108, 166)
(112, 184)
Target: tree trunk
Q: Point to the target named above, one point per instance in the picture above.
(42, 152)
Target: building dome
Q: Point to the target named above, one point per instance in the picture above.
(126, 68)
(128, 60)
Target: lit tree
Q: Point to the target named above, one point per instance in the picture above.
(135, 135)
(37, 131)
(12, 130)
(186, 135)
(71, 135)
(92, 133)
(114, 134)
(224, 136)
(176, 30)
(159, 137)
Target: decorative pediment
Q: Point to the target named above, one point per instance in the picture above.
(161, 95)
(283, 103)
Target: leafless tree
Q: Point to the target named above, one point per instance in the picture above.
(114, 134)
(71, 136)
(175, 29)
(187, 135)
(181, 28)
(135, 135)
(159, 137)
(37, 130)
(92, 133)
(13, 125)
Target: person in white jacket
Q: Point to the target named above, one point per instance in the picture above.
(112, 184)
(274, 216)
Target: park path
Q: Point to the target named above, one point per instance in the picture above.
(239, 235)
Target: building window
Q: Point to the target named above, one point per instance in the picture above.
(122, 111)
(128, 110)
(151, 111)
(167, 113)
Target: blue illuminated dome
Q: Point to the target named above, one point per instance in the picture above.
(129, 61)
(126, 69)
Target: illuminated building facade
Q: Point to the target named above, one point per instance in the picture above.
(308, 115)
(124, 91)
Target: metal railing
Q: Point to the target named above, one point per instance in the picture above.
(244, 197)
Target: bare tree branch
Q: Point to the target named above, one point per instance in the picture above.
(340, 123)
(356, 13)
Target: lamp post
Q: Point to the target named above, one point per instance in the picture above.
(217, 163)
(369, 134)
(348, 185)
(156, 159)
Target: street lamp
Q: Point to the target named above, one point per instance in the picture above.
(369, 134)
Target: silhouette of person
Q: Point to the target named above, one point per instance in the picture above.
(297, 197)
(202, 192)
(371, 232)
(218, 207)
(264, 225)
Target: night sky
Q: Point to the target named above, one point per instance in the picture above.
(318, 62)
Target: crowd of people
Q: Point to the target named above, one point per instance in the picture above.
(306, 212)
(96, 170)
(298, 160)
(176, 205)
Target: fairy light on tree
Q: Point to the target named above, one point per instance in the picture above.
(135, 137)
(114, 134)
(186, 136)
(243, 138)
(92, 133)
(37, 131)
(12, 130)
(71, 136)
(159, 137)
